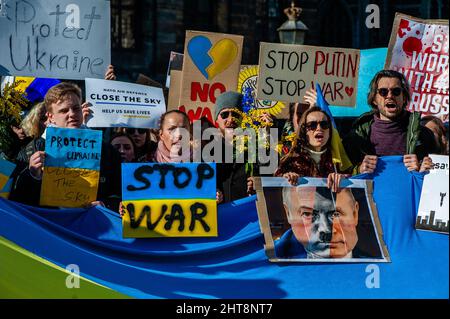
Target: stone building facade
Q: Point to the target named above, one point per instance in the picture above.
(145, 31)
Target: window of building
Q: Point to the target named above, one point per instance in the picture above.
(124, 16)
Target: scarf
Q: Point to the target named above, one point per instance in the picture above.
(163, 155)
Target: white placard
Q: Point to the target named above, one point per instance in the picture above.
(433, 208)
(121, 104)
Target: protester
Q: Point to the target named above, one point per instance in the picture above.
(170, 147)
(35, 121)
(310, 155)
(63, 105)
(12, 139)
(124, 144)
(233, 180)
(439, 131)
(388, 129)
(142, 139)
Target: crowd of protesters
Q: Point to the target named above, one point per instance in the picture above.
(388, 129)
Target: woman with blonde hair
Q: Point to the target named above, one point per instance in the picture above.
(35, 122)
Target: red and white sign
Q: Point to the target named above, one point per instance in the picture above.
(419, 49)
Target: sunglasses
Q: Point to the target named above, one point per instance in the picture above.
(395, 91)
(312, 126)
(131, 131)
(224, 115)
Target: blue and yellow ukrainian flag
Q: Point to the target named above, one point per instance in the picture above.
(337, 149)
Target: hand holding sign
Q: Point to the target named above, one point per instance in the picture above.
(36, 164)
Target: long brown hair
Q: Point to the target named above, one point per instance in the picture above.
(300, 144)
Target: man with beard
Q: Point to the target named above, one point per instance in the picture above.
(389, 129)
(323, 224)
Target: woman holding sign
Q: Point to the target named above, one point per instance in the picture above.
(310, 155)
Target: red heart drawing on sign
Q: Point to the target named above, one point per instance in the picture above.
(349, 91)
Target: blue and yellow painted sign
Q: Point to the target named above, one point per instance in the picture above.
(169, 200)
(6, 169)
(72, 167)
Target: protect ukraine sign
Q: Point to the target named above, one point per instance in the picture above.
(72, 167)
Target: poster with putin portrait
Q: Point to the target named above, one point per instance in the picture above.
(419, 49)
(310, 223)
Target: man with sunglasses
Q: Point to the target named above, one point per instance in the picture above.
(232, 179)
(388, 129)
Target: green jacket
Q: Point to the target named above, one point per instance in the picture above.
(419, 139)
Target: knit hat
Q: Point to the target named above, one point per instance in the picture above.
(228, 100)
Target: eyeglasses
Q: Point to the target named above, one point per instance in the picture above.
(385, 91)
(131, 131)
(225, 114)
(312, 126)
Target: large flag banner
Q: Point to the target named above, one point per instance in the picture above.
(71, 168)
(6, 169)
(123, 104)
(433, 207)
(310, 223)
(34, 88)
(419, 49)
(247, 84)
(40, 246)
(287, 71)
(210, 67)
(64, 39)
(338, 154)
(169, 200)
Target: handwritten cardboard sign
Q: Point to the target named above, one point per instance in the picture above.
(175, 63)
(371, 61)
(247, 83)
(419, 49)
(64, 39)
(72, 167)
(287, 71)
(6, 169)
(210, 67)
(169, 200)
(123, 104)
(174, 90)
(433, 206)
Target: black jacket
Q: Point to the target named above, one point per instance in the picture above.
(232, 177)
(27, 189)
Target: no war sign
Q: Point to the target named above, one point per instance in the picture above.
(169, 200)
